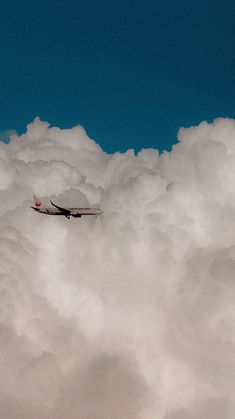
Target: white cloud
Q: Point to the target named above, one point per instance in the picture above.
(130, 315)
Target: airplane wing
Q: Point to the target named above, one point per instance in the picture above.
(64, 211)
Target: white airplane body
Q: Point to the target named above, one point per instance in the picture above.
(66, 212)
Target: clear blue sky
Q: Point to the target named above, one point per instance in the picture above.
(131, 72)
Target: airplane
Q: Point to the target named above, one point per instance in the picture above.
(67, 212)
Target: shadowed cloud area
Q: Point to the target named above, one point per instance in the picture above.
(130, 315)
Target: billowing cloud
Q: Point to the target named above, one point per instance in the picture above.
(130, 315)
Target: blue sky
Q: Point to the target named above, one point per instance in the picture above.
(131, 72)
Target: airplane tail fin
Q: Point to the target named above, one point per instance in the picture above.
(37, 202)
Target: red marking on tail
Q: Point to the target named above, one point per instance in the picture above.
(37, 202)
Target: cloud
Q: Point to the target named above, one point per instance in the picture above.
(130, 315)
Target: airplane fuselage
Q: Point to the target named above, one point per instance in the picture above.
(66, 212)
(73, 212)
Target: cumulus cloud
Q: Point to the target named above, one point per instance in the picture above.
(130, 315)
